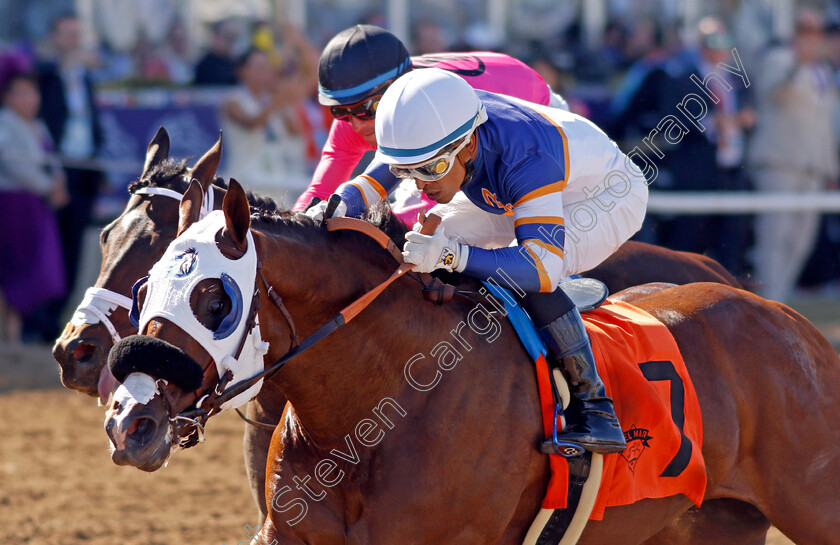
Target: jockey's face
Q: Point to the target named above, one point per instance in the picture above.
(361, 116)
(444, 190)
(365, 127)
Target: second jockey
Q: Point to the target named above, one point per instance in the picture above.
(356, 67)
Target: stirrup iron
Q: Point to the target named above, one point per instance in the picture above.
(553, 445)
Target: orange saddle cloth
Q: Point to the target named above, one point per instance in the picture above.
(644, 373)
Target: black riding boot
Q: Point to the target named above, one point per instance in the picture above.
(562, 329)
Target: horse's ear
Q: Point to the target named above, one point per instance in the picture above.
(190, 209)
(157, 152)
(205, 168)
(237, 214)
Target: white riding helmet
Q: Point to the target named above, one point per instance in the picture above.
(422, 112)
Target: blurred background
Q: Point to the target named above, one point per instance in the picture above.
(84, 85)
(103, 75)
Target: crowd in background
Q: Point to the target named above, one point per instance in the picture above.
(780, 133)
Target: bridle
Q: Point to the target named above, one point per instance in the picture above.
(99, 303)
(188, 425)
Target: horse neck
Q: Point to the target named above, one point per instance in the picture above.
(335, 384)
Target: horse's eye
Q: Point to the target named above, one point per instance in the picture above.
(215, 306)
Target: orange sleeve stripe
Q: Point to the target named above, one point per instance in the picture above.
(549, 247)
(358, 186)
(554, 220)
(545, 282)
(540, 191)
(377, 186)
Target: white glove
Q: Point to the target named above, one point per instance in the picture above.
(434, 252)
(317, 211)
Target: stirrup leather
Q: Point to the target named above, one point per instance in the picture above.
(553, 445)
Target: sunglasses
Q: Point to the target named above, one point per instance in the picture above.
(364, 110)
(432, 170)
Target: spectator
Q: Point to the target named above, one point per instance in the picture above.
(300, 66)
(794, 148)
(166, 64)
(30, 185)
(823, 268)
(428, 37)
(651, 90)
(556, 71)
(69, 111)
(176, 54)
(260, 124)
(218, 65)
(726, 128)
(613, 46)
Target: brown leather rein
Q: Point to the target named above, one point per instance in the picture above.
(433, 289)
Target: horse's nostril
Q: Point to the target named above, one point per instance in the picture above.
(141, 431)
(84, 352)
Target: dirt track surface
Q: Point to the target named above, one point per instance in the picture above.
(58, 485)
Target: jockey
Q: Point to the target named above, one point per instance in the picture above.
(506, 169)
(355, 69)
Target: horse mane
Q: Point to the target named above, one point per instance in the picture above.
(279, 221)
(169, 174)
(166, 174)
(266, 213)
(287, 223)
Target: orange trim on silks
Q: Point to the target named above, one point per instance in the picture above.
(548, 247)
(565, 145)
(376, 186)
(557, 186)
(624, 338)
(554, 220)
(361, 190)
(545, 281)
(540, 191)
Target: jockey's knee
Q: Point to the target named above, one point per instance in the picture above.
(544, 308)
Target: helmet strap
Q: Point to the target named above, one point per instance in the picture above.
(469, 171)
(469, 164)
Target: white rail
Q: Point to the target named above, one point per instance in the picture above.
(741, 202)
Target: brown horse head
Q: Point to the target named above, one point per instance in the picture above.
(143, 434)
(130, 245)
(188, 332)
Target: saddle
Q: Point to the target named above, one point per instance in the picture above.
(644, 373)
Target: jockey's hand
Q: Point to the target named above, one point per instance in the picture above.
(430, 252)
(317, 212)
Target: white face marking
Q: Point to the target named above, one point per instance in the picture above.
(138, 388)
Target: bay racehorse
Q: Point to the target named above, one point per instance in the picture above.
(130, 245)
(134, 241)
(458, 463)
